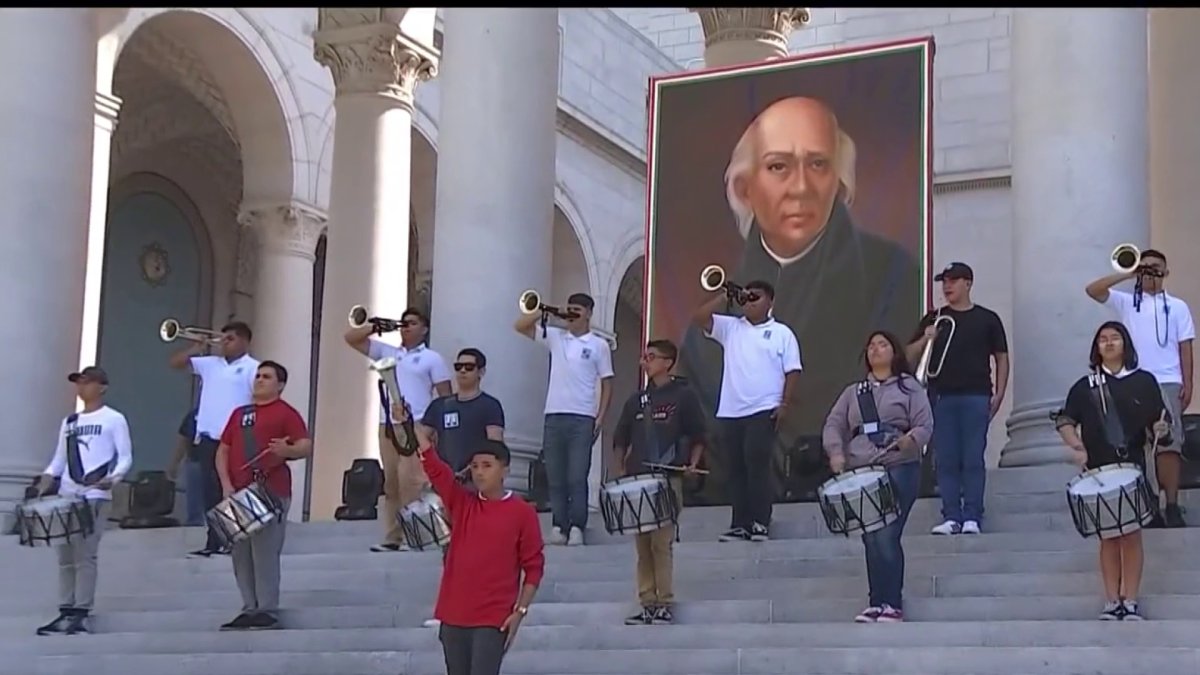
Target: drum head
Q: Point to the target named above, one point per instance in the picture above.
(1104, 479)
(48, 505)
(635, 483)
(852, 481)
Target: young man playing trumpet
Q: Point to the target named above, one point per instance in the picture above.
(258, 441)
(94, 453)
(421, 374)
(660, 426)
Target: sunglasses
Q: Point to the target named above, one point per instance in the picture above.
(467, 367)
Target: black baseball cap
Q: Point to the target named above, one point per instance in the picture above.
(956, 270)
(496, 449)
(91, 373)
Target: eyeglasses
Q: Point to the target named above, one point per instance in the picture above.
(409, 324)
(465, 367)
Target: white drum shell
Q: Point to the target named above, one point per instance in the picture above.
(242, 514)
(638, 504)
(860, 501)
(1111, 501)
(55, 520)
(425, 522)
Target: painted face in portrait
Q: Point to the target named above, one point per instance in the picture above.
(793, 181)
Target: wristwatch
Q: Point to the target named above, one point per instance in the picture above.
(523, 611)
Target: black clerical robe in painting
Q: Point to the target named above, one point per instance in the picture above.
(849, 284)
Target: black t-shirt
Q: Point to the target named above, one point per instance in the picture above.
(461, 426)
(978, 334)
(187, 428)
(677, 425)
(1138, 402)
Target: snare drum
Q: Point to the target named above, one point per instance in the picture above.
(858, 501)
(1111, 501)
(52, 521)
(425, 522)
(243, 514)
(637, 504)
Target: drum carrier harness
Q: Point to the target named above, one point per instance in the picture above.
(1114, 430)
(651, 436)
(249, 417)
(879, 433)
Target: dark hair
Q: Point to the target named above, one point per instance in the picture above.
(582, 300)
(1154, 253)
(1131, 355)
(667, 348)
(480, 359)
(413, 311)
(900, 366)
(280, 371)
(764, 286)
(239, 328)
(496, 449)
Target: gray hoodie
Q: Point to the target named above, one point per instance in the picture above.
(904, 409)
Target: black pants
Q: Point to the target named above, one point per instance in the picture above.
(205, 452)
(748, 443)
(472, 651)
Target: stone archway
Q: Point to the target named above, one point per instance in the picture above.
(627, 323)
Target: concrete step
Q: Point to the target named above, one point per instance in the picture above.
(820, 661)
(787, 608)
(533, 638)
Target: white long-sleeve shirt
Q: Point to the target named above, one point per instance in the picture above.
(102, 436)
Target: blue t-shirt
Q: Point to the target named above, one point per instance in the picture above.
(461, 426)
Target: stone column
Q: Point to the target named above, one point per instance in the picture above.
(283, 303)
(107, 108)
(46, 126)
(375, 69)
(495, 202)
(736, 35)
(1079, 188)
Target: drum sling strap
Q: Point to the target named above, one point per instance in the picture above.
(249, 417)
(409, 446)
(875, 430)
(1114, 430)
(75, 462)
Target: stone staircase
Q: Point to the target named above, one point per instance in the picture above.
(1020, 599)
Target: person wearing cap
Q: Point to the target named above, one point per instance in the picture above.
(579, 359)
(494, 563)
(962, 394)
(94, 452)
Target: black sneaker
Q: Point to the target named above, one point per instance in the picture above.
(640, 618)
(662, 615)
(759, 532)
(736, 534)
(386, 548)
(240, 622)
(202, 553)
(58, 625)
(262, 621)
(77, 624)
(1173, 516)
(1131, 612)
(1113, 611)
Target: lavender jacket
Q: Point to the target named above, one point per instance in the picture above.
(905, 409)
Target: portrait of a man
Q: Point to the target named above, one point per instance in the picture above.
(821, 189)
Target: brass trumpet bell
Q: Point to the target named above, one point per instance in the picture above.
(1126, 258)
(171, 330)
(358, 316)
(712, 278)
(529, 302)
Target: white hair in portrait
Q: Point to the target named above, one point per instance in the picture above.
(742, 160)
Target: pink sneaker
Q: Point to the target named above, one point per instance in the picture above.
(890, 615)
(868, 615)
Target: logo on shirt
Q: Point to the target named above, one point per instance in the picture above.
(585, 353)
(767, 334)
(659, 413)
(450, 420)
(248, 419)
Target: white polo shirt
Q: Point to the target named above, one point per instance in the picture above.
(1157, 329)
(225, 386)
(756, 361)
(577, 364)
(418, 371)
(103, 438)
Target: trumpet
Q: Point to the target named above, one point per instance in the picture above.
(1126, 258)
(170, 330)
(925, 371)
(359, 318)
(531, 303)
(712, 278)
(406, 440)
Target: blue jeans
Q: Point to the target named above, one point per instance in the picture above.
(567, 451)
(193, 486)
(885, 555)
(960, 428)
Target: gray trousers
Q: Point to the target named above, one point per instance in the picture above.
(472, 651)
(77, 563)
(256, 565)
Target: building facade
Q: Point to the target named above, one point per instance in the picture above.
(281, 165)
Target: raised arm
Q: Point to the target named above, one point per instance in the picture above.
(527, 325)
(1098, 290)
(441, 477)
(360, 339)
(702, 318)
(192, 355)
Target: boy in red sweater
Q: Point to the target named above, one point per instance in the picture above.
(496, 540)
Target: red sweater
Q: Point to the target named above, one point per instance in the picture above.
(492, 542)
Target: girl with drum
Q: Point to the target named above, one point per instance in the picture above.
(1109, 418)
(884, 420)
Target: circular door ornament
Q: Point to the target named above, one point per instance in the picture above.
(154, 264)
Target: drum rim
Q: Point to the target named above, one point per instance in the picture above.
(872, 468)
(646, 476)
(1102, 469)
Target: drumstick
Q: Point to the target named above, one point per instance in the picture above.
(257, 457)
(1154, 446)
(891, 446)
(670, 467)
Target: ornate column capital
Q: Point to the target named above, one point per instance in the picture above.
(290, 229)
(374, 58)
(772, 25)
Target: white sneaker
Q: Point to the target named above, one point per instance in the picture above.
(948, 527)
(970, 527)
(557, 537)
(432, 623)
(576, 538)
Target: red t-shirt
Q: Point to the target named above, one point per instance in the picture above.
(492, 543)
(269, 421)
